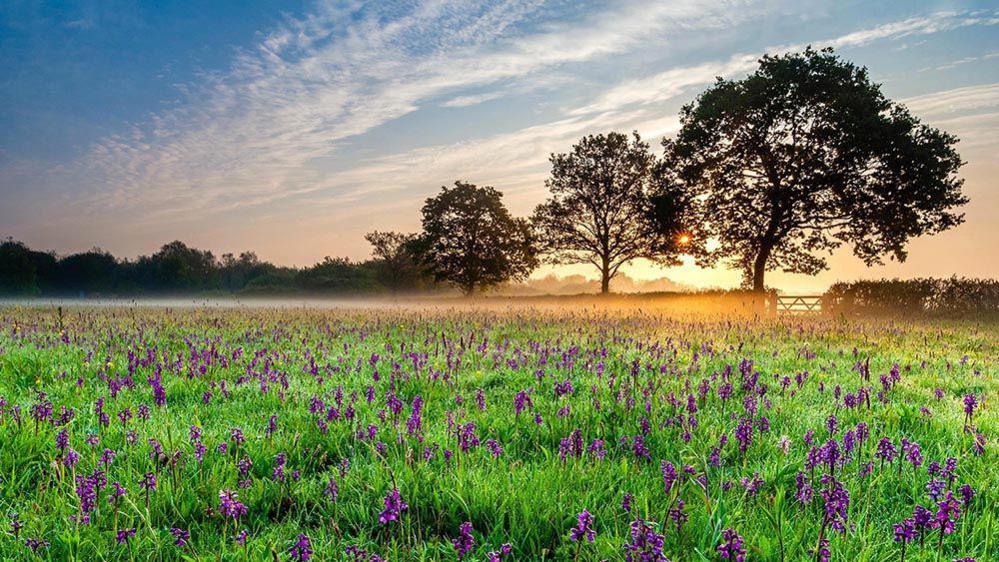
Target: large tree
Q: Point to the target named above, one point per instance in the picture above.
(471, 241)
(804, 155)
(600, 211)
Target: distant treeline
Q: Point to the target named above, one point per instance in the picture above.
(180, 269)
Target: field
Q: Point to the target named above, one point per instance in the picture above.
(493, 433)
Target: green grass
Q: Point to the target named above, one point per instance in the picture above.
(528, 497)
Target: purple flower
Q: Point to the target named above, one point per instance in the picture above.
(494, 448)
(394, 506)
(117, 491)
(148, 481)
(332, 490)
(752, 485)
(230, 506)
(905, 531)
(970, 402)
(886, 450)
(744, 434)
(837, 503)
(571, 446)
(914, 455)
(35, 544)
(678, 515)
(967, 492)
(302, 549)
(467, 439)
(669, 476)
(948, 512)
(415, 421)
(279, 463)
(638, 447)
(805, 492)
(923, 519)
(15, 524)
(731, 546)
(497, 555)
(464, 542)
(644, 544)
(124, 535)
(935, 488)
(626, 502)
(181, 536)
(583, 528)
(521, 401)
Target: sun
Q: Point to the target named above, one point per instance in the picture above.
(683, 239)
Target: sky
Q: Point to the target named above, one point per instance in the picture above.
(293, 127)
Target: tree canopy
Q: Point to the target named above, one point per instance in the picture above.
(600, 211)
(471, 241)
(804, 155)
(396, 265)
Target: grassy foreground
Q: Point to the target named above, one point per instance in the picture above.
(513, 434)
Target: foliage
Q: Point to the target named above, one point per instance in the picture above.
(336, 275)
(179, 269)
(804, 155)
(951, 295)
(470, 240)
(395, 263)
(600, 211)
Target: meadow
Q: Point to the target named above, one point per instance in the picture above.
(494, 433)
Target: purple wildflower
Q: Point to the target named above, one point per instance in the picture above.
(394, 506)
(302, 549)
(464, 542)
(181, 536)
(583, 528)
(731, 546)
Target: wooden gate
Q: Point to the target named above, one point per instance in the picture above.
(798, 304)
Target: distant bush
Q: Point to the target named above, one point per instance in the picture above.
(951, 295)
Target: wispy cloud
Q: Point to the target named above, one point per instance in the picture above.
(675, 81)
(255, 132)
(971, 113)
(959, 99)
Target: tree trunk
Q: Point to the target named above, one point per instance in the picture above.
(760, 268)
(605, 278)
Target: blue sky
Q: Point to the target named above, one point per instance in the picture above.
(292, 128)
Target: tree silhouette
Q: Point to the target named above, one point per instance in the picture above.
(804, 155)
(397, 268)
(470, 240)
(600, 211)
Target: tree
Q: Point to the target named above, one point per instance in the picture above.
(235, 272)
(600, 211)
(470, 240)
(176, 267)
(18, 271)
(94, 271)
(336, 275)
(397, 268)
(804, 155)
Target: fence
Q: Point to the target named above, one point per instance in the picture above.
(797, 304)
